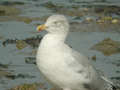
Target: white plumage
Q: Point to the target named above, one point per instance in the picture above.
(63, 66)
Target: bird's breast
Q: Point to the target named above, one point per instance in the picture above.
(50, 61)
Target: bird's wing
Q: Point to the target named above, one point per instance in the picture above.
(81, 65)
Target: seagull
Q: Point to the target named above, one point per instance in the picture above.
(62, 65)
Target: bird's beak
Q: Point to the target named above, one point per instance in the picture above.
(41, 27)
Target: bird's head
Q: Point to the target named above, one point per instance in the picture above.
(55, 24)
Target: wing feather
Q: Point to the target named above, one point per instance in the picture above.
(81, 65)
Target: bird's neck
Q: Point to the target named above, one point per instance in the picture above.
(55, 37)
(52, 40)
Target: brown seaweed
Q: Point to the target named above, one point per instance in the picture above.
(107, 47)
(20, 44)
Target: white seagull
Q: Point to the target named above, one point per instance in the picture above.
(63, 66)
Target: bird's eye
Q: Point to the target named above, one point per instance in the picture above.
(56, 22)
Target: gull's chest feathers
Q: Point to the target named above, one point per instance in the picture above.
(50, 53)
(50, 60)
(51, 48)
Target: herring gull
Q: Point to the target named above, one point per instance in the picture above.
(63, 66)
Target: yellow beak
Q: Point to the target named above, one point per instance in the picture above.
(41, 27)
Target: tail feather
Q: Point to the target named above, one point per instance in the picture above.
(114, 87)
(110, 85)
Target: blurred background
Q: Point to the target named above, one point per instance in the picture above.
(94, 32)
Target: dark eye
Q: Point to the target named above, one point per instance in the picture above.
(56, 22)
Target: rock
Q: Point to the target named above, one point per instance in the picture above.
(11, 3)
(11, 76)
(94, 58)
(30, 60)
(4, 73)
(107, 47)
(20, 44)
(33, 86)
(9, 11)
